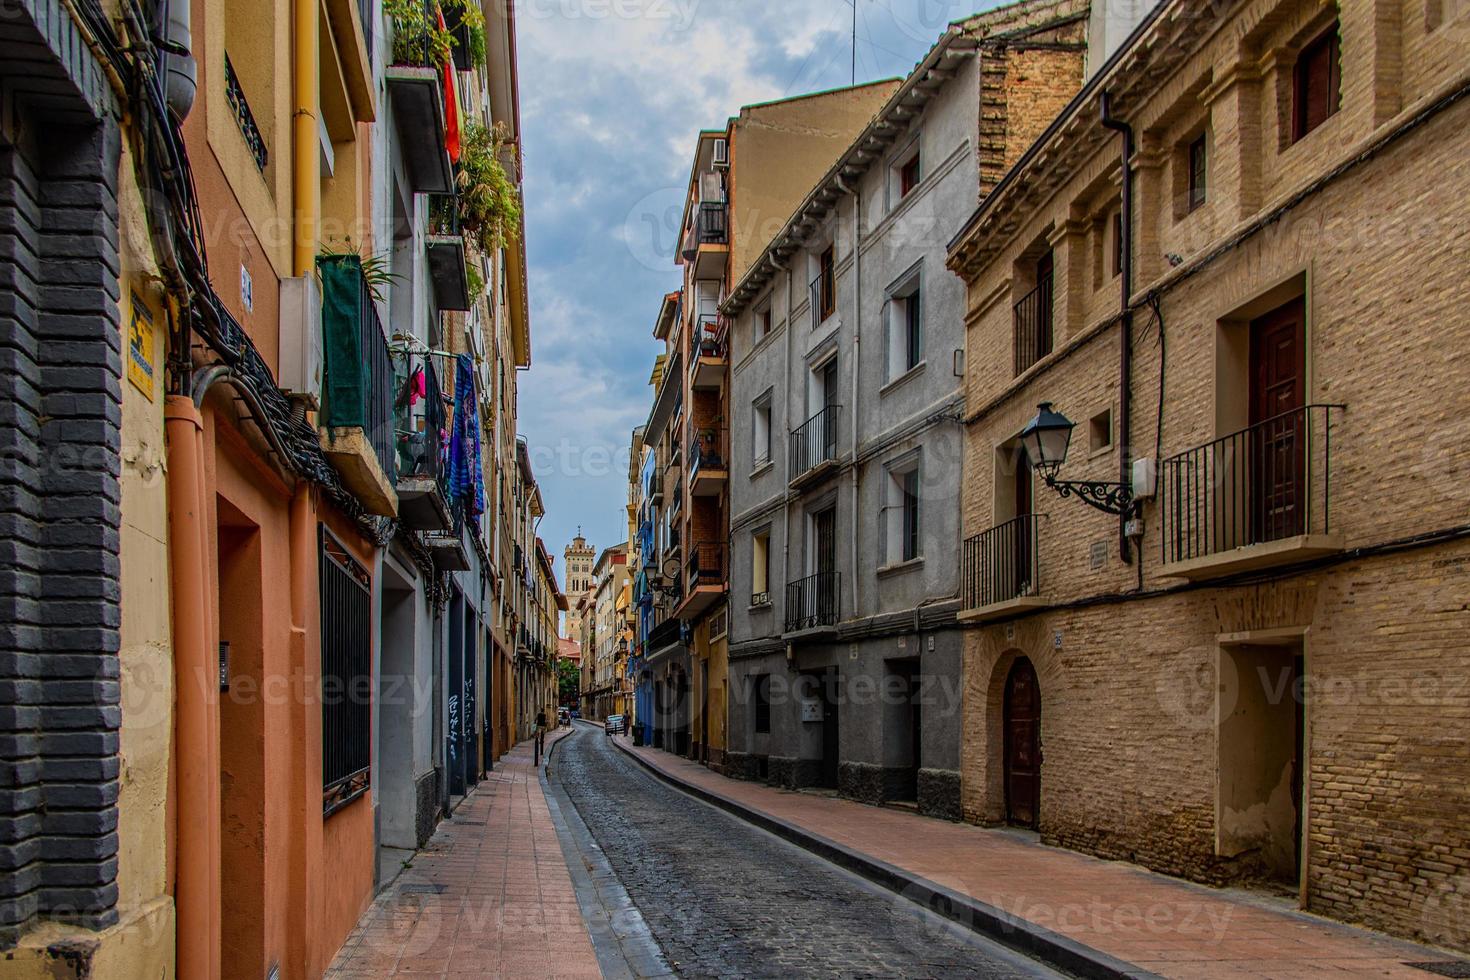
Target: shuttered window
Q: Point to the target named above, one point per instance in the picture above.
(1317, 83)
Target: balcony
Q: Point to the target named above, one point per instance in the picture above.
(707, 242)
(357, 413)
(1257, 498)
(665, 636)
(704, 578)
(1001, 570)
(676, 500)
(812, 603)
(708, 353)
(814, 448)
(447, 547)
(350, 22)
(1033, 325)
(708, 472)
(415, 91)
(423, 499)
(444, 245)
(244, 118)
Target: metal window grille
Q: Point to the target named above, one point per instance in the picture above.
(346, 674)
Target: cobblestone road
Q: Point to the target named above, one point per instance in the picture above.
(723, 898)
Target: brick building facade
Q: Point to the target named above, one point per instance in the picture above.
(1261, 682)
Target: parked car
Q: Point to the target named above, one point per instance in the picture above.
(616, 725)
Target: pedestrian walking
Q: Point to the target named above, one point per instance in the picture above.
(540, 735)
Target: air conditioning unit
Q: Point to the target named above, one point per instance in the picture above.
(301, 362)
(722, 153)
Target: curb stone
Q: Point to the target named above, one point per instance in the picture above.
(980, 917)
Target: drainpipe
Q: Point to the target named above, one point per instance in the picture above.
(306, 181)
(857, 342)
(1125, 357)
(786, 446)
(196, 712)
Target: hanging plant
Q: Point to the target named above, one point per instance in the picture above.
(489, 203)
(476, 281)
(418, 40)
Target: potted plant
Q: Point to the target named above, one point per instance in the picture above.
(418, 39)
(466, 22)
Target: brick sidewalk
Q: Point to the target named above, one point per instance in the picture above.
(1156, 923)
(506, 909)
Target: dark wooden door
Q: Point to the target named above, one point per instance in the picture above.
(831, 743)
(1044, 295)
(1277, 439)
(824, 584)
(454, 723)
(1022, 719)
(1020, 573)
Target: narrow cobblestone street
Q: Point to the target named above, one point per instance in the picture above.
(723, 898)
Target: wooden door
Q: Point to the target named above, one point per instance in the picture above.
(1020, 573)
(824, 583)
(1276, 443)
(831, 742)
(1022, 719)
(1044, 299)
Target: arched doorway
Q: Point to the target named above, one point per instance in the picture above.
(1023, 745)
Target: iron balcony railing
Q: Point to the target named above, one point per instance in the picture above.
(421, 434)
(812, 602)
(713, 226)
(444, 215)
(416, 48)
(676, 500)
(1033, 318)
(708, 340)
(346, 663)
(1002, 563)
(664, 634)
(705, 564)
(815, 441)
(1268, 481)
(706, 450)
(379, 413)
(823, 291)
(244, 118)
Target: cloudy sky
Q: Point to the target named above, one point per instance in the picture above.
(612, 95)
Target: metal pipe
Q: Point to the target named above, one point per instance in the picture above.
(1125, 352)
(857, 340)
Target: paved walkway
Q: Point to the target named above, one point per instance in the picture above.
(490, 896)
(1156, 923)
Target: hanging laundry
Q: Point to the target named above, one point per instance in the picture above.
(466, 476)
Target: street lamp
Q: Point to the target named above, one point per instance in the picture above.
(1045, 440)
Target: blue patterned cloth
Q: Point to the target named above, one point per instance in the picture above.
(466, 477)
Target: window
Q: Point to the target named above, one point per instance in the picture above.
(906, 174)
(1117, 243)
(1316, 83)
(1100, 431)
(824, 288)
(760, 568)
(762, 700)
(1197, 171)
(905, 329)
(761, 430)
(346, 677)
(762, 323)
(902, 512)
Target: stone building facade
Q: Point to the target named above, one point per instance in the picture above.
(1255, 676)
(846, 395)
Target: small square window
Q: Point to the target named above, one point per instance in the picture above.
(1316, 83)
(762, 323)
(1100, 431)
(1197, 172)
